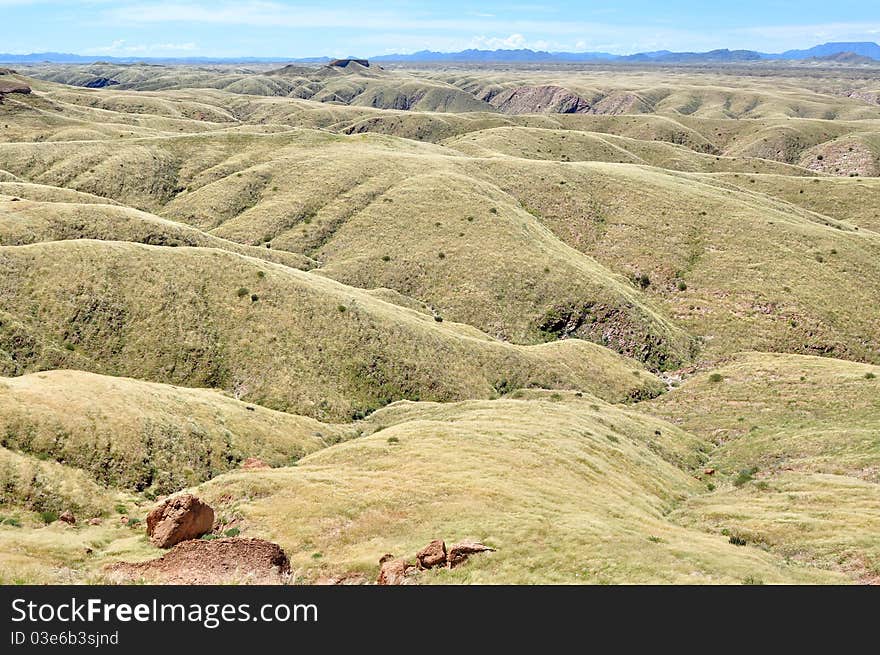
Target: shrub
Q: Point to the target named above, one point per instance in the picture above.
(242, 292)
(441, 255)
(121, 509)
(643, 280)
(870, 376)
(49, 516)
(736, 540)
(261, 274)
(745, 475)
(710, 487)
(254, 297)
(232, 532)
(752, 580)
(682, 285)
(393, 440)
(342, 309)
(715, 378)
(493, 210)
(655, 540)
(438, 318)
(386, 258)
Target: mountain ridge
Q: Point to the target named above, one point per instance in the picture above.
(864, 48)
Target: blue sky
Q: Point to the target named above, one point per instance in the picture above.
(221, 28)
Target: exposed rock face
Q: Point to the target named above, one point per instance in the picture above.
(241, 561)
(254, 463)
(540, 100)
(434, 554)
(13, 86)
(178, 519)
(394, 571)
(620, 102)
(842, 157)
(68, 517)
(459, 553)
(100, 83)
(868, 96)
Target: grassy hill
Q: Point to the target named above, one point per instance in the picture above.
(796, 444)
(295, 341)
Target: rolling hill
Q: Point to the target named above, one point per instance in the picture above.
(618, 323)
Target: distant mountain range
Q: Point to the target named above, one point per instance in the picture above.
(827, 51)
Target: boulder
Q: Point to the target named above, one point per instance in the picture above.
(459, 553)
(179, 518)
(94, 521)
(394, 571)
(68, 517)
(434, 554)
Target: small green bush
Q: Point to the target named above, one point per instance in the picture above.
(745, 475)
(870, 376)
(232, 532)
(261, 274)
(242, 292)
(716, 377)
(254, 297)
(386, 258)
(393, 440)
(49, 516)
(342, 309)
(736, 540)
(682, 285)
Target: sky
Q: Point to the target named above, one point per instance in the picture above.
(267, 28)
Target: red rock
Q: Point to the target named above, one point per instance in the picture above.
(179, 518)
(434, 554)
(459, 553)
(254, 463)
(68, 517)
(394, 571)
(709, 471)
(94, 521)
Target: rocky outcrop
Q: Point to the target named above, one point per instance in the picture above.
(219, 561)
(178, 519)
(459, 553)
(394, 571)
(254, 463)
(434, 554)
(539, 100)
(13, 86)
(68, 517)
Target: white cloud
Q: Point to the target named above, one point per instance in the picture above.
(121, 47)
